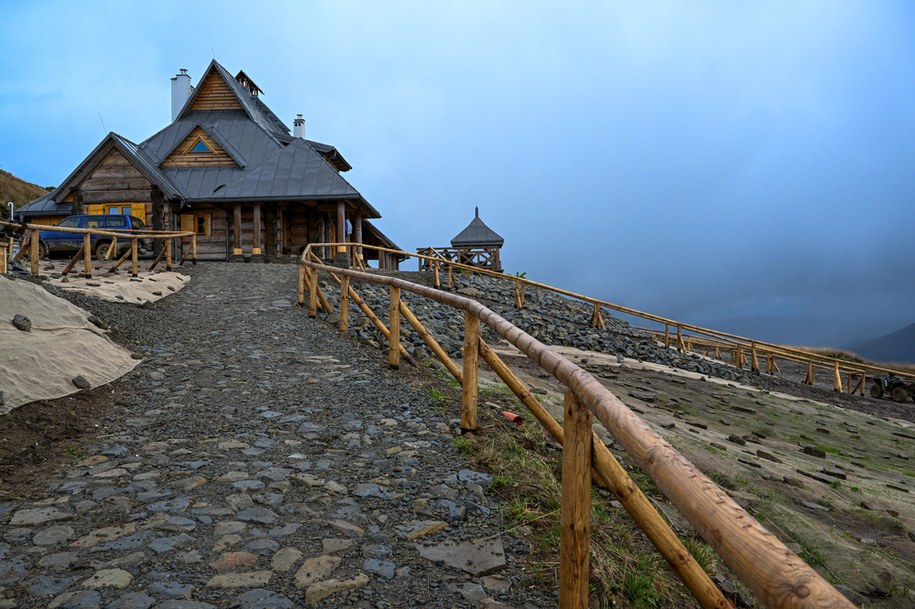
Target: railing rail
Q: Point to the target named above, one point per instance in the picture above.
(777, 576)
(30, 246)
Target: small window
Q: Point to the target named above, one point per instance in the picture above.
(116, 222)
(202, 224)
(200, 147)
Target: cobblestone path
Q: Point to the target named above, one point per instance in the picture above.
(258, 460)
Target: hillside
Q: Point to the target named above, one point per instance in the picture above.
(18, 191)
(896, 347)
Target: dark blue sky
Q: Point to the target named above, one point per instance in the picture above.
(701, 160)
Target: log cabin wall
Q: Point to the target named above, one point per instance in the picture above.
(116, 180)
(183, 156)
(211, 225)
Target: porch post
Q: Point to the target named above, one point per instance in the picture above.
(256, 253)
(236, 233)
(340, 256)
(357, 231)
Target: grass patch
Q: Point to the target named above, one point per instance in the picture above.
(76, 452)
(626, 570)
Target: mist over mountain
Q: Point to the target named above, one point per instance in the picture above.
(896, 347)
(811, 331)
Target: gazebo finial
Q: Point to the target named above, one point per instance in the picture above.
(476, 211)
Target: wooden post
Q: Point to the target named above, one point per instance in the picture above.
(597, 320)
(667, 336)
(256, 231)
(450, 276)
(236, 230)
(134, 256)
(808, 380)
(344, 304)
(681, 347)
(113, 246)
(87, 255)
(471, 365)
(518, 302)
(3, 260)
(394, 328)
(168, 254)
(437, 280)
(33, 254)
(341, 227)
(738, 355)
(575, 535)
(300, 296)
(754, 362)
(837, 380)
(313, 294)
(76, 258)
(432, 343)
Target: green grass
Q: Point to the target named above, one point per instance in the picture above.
(75, 452)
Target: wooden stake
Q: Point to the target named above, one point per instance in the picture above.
(681, 346)
(378, 323)
(121, 260)
(168, 254)
(597, 320)
(194, 249)
(450, 276)
(430, 341)
(575, 535)
(754, 362)
(471, 366)
(837, 380)
(76, 257)
(111, 246)
(808, 380)
(394, 336)
(313, 294)
(437, 280)
(87, 255)
(3, 260)
(667, 336)
(344, 304)
(33, 254)
(134, 257)
(300, 295)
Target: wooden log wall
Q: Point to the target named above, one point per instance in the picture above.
(212, 246)
(215, 94)
(115, 180)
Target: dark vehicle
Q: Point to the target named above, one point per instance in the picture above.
(893, 386)
(53, 242)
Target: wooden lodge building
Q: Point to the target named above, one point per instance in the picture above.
(228, 169)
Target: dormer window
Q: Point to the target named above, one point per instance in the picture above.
(200, 147)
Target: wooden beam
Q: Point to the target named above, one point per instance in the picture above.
(33, 254)
(256, 230)
(344, 304)
(470, 386)
(87, 255)
(168, 254)
(575, 530)
(236, 230)
(134, 258)
(394, 328)
(430, 341)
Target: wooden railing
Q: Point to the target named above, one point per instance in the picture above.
(477, 257)
(777, 576)
(30, 245)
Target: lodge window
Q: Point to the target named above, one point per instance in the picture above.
(200, 147)
(202, 224)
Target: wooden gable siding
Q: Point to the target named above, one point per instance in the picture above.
(183, 157)
(215, 94)
(114, 180)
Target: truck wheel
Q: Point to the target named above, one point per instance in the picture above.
(900, 393)
(101, 248)
(876, 391)
(42, 250)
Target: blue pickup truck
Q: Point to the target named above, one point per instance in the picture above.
(53, 242)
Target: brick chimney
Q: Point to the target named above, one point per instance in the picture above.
(181, 90)
(298, 126)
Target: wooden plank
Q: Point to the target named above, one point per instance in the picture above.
(87, 255)
(470, 387)
(575, 529)
(344, 304)
(394, 327)
(33, 253)
(134, 258)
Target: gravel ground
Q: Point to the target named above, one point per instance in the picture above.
(255, 459)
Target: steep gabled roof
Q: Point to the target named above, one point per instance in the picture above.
(256, 110)
(52, 203)
(331, 155)
(477, 234)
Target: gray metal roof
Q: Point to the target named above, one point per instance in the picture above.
(477, 233)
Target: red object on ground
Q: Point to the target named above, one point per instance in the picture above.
(517, 419)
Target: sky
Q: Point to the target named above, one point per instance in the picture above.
(747, 165)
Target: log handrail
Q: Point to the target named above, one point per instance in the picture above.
(777, 576)
(823, 361)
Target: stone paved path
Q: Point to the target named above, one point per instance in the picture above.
(258, 460)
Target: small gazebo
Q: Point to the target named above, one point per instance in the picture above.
(478, 245)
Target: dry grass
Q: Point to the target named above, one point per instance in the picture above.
(850, 356)
(18, 191)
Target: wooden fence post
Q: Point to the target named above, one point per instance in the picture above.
(313, 294)
(574, 539)
(808, 380)
(754, 362)
(471, 365)
(837, 383)
(87, 255)
(3, 260)
(300, 295)
(681, 346)
(437, 280)
(194, 249)
(168, 254)
(597, 320)
(394, 328)
(33, 254)
(134, 257)
(344, 303)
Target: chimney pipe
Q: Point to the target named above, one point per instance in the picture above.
(181, 90)
(298, 126)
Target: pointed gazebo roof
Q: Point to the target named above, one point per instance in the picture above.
(477, 234)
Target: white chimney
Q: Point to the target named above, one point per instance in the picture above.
(298, 126)
(181, 90)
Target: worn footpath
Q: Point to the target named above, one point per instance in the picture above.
(256, 459)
